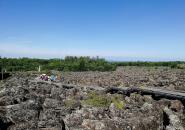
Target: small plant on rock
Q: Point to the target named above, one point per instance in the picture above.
(118, 102)
(97, 100)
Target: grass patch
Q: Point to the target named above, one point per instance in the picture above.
(119, 104)
(98, 100)
(69, 102)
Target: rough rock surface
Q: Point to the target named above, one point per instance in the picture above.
(28, 105)
(173, 79)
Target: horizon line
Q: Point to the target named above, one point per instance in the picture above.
(107, 58)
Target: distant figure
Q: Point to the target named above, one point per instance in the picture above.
(53, 78)
(62, 77)
(58, 77)
(42, 76)
(46, 78)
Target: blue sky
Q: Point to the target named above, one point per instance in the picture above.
(114, 29)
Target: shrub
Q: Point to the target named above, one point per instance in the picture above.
(181, 66)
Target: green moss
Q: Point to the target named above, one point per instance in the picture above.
(142, 86)
(97, 100)
(69, 103)
(118, 102)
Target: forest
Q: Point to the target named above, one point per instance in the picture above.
(69, 63)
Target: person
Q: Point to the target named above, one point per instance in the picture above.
(61, 77)
(42, 76)
(52, 77)
(58, 77)
(46, 78)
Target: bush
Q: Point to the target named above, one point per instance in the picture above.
(181, 66)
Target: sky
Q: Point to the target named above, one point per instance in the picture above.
(128, 30)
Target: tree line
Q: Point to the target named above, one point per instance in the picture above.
(73, 63)
(69, 63)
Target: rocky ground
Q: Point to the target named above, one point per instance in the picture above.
(26, 104)
(173, 79)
